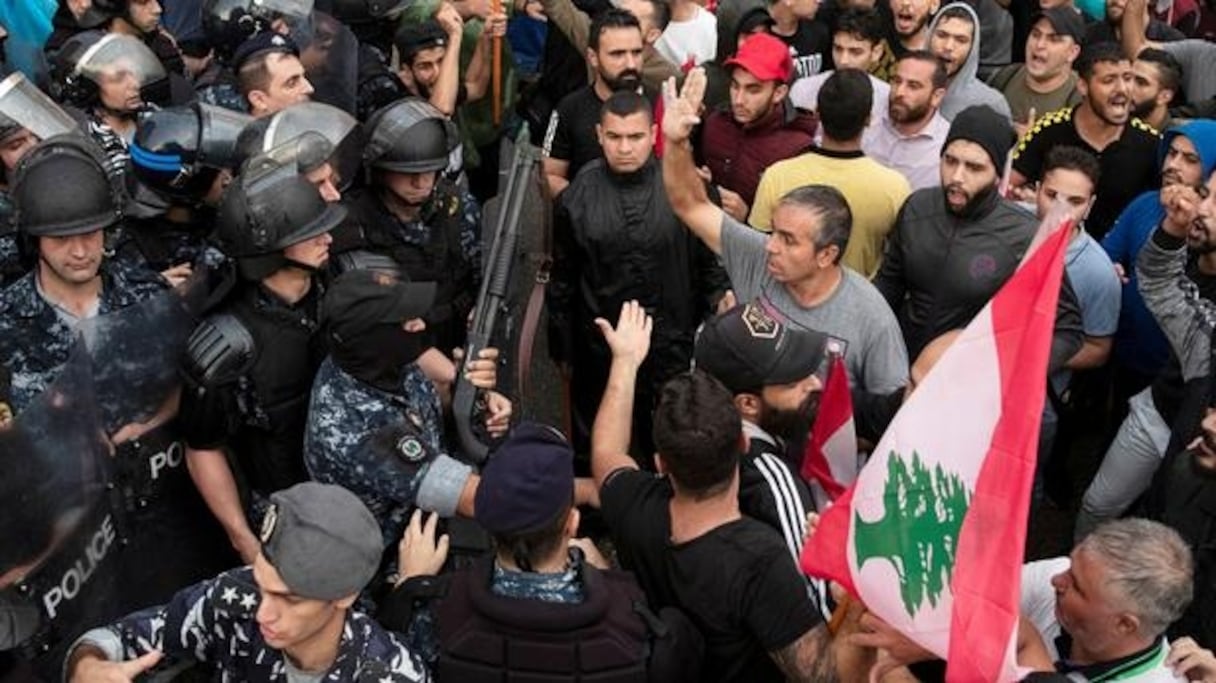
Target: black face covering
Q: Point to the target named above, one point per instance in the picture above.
(380, 355)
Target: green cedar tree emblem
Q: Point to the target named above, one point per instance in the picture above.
(919, 529)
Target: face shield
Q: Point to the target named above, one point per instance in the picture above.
(126, 72)
(339, 129)
(24, 105)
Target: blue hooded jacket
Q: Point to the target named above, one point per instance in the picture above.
(1139, 344)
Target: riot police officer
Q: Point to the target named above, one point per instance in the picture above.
(27, 116)
(375, 422)
(414, 213)
(112, 78)
(249, 366)
(138, 19)
(325, 142)
(229, 23)
(182, 158)
(69, 283)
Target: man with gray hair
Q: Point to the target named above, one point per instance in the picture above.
(1103, 610)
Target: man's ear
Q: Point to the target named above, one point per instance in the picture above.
(599, 134)
(347, 602)
(658, 464)
(257, 100)
(652, 36)
(781, 92)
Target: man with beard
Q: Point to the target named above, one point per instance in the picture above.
(981, 235)
(1110, 28)
(1156, 80)
(1046, 82)
(909, 138)
(912, 24)
(770, 368)
(614, 51)
(795, 270)
(617, 239)
(874, 192)
(954, 36)
(760, 127)
(1197, 57)
(1141, 352)
(1101, 125)
(1188, 318)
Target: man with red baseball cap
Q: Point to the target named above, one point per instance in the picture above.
(761, 126)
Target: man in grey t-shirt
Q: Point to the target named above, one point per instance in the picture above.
(795, 271)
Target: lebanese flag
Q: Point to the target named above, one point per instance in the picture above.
(829, 462)
(930, 537)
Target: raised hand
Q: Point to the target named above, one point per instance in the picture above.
(682, 113)
(630, 339)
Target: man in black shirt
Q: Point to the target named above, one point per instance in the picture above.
(810, 40)
(682, 533)
(615, 54)
(1102, 124)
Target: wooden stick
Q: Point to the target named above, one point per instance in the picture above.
(496, 73)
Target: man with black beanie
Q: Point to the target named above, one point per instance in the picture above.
(982, 235)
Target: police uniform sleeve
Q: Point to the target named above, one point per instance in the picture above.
(186, 626)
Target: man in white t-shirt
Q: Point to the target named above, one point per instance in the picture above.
(1103, 610)
(691, 36)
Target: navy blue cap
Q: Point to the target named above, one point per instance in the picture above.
(528, 481)
(265, 41)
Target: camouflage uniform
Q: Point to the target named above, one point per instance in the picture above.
(217, 86)
(10, 258)
(384, 447)
(142, 249)
(36, 338)
(215, 623)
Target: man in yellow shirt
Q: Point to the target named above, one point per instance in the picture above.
(874, 192)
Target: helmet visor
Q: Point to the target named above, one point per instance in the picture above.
(220, 129)
(24, 105)
(338, 128)
(119, 60)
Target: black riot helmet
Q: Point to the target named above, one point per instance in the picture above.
(320, 133)
(228, 23)
(88, 57)
(367, 11)
(177, 152)
(268, 208)
(61, 189)
(409, 136)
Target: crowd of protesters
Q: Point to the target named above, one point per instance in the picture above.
(245, 245)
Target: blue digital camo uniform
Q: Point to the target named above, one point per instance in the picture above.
(215, 622)
(35, 339)
(385, 448)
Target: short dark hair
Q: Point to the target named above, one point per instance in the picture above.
(1169, 71)
(697, 432)
(613, 17)
(866, 24)
(835, 216)
(957, 12)
(626, 103)
(529, 548)
(844, 104)
(940, 76)
(662, 13)
(254, 73)
(1072, 158)
(1098, 53)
